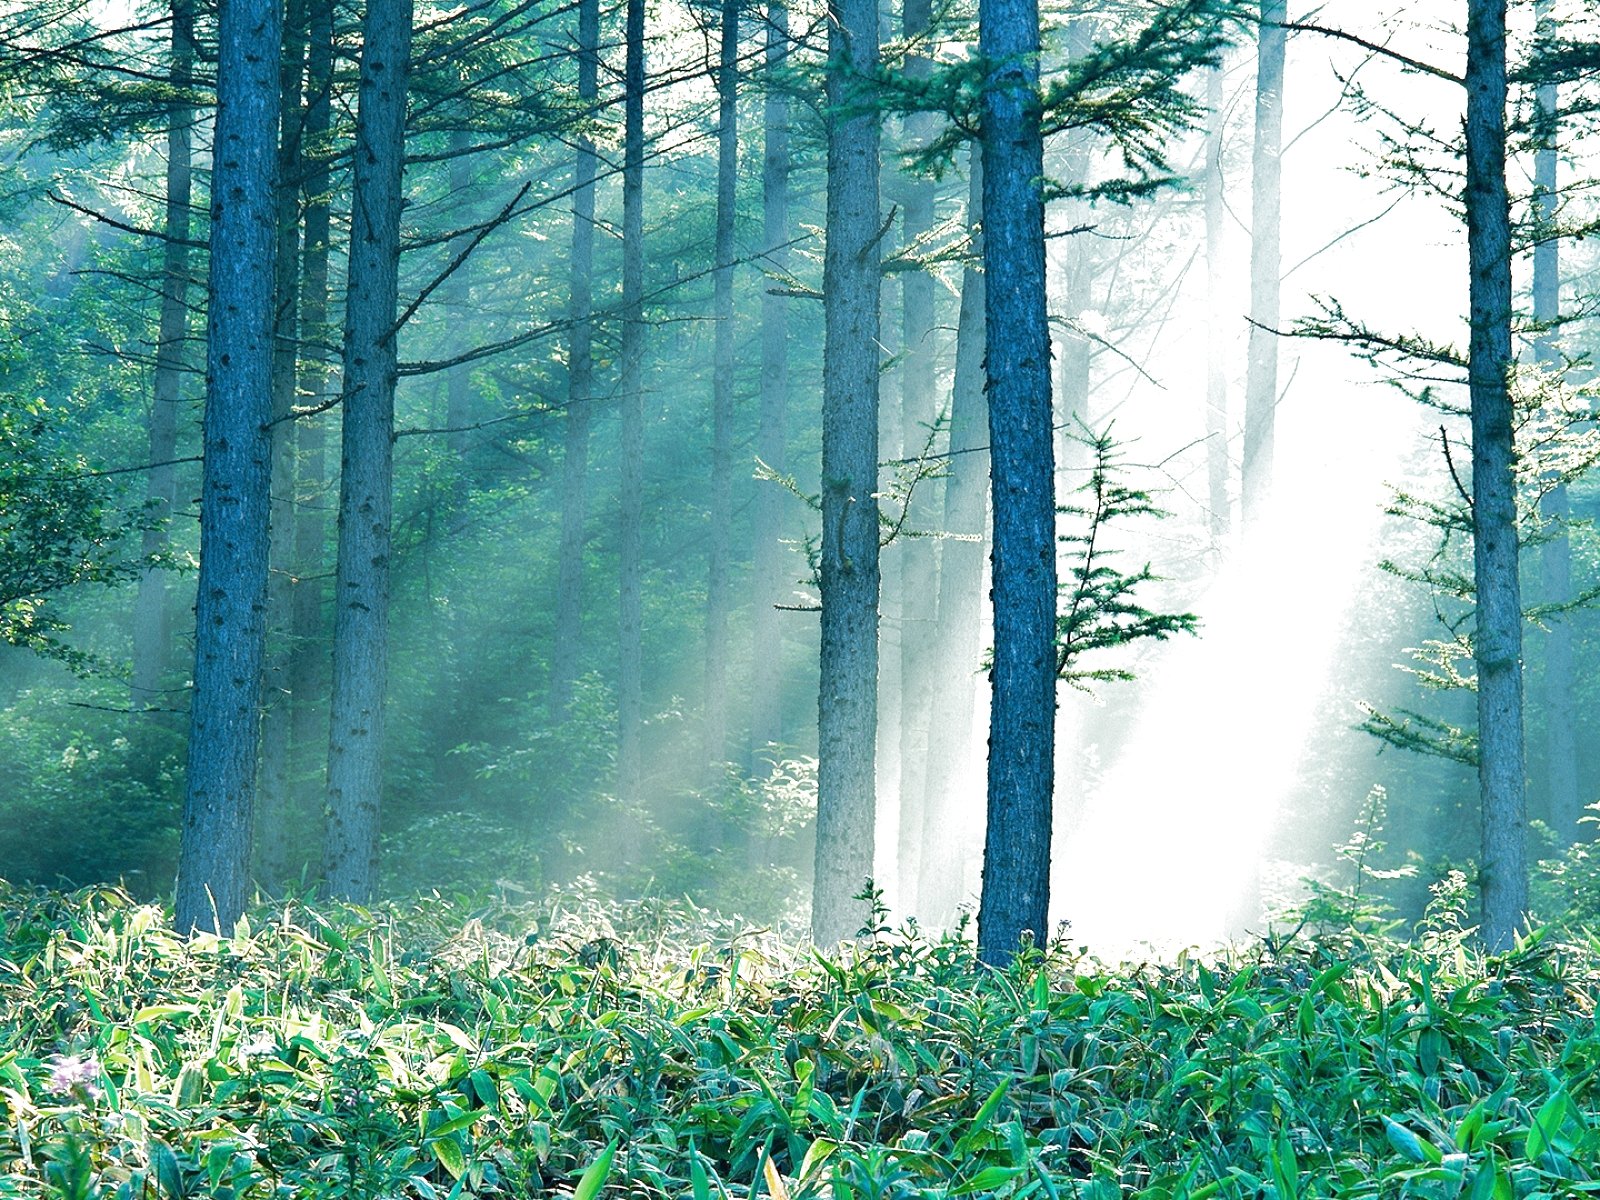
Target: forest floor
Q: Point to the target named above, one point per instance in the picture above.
(426, 1051)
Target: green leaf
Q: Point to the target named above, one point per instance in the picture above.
(595, 1177)
(1285, 1169)
(697, 1175)
(1547, 1123)
(1402, 1139)
(450, 1155)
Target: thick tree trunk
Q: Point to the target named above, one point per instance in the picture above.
(847, 703)
(1218, 465)
(717, 598)
(564, 654)
(1497, 645)
(361, 585)
(630, 532)
(152, 625)
(1016, 857)
(919, 565)
(772, 560)
(230, 613)
(1261, 383)
(957, 648)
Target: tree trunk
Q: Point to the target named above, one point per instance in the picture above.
(1016, 858)
(1561, 746)
(361, 585)
(1497, 645)
(152, 631)
(919, 566)
(717, 601)
(564, 655)
(458, 407)
(847, 698)
(1217, 457)
(772, 561)
(1261, 382)
(630, 536)
(230, 612)
(957, 648)
(275, 823)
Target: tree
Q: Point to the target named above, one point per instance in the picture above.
(847, 703)
(1261, 382)
(1497, 644)
(1016, 857)
(230, 610)
(1217, 457)
(366, 495)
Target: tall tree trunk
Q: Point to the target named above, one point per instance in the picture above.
(717, 600)
(957, 635)
(361, 585)
(458, 409)
(919, 567)
(275, 823)
(152, 633)
(1217, 457)
(1497, 645)
(230, 611)
(564, 655)
(1016, 856)
(1561, 746)
(1261, 382)
(772, 561)
(308, 666)
(847, 704)
(630, 535)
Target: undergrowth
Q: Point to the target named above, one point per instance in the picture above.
(431, 1052)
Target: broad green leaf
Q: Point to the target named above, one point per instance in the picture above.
(595, 1177)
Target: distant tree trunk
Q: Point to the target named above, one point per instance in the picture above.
(1261, 382)
(957, 648)
(1497, 645)
(230, 612)
(847, 704)
(630, 534)
(275, 819)
(1561, 746)
(152, 632)
(361, 586)
(771, 559)
(919, 567)
(458, 411)
(1016, 857)
(717, 600)
(564, 654)
(1217, 457)
(308, 667)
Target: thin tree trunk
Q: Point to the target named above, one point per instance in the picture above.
(919, 565)
(1016, 858)
(152, 625)
(1261, 382)
(458, 408)
(230, 612)
(1497, 645)
(847, 703)
(717, 599)
(1555, 556)
(772, 560)
(630, 609)
(361, 586)
(957, 639)
(564, 656)
(1217, 458)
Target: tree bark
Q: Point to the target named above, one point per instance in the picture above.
(361, 585)
(152, 623)
(630, 536)
(1218, 465)
(1261, 382)
(230, 612)
(1497, 645)
(717, 599)
(847, 702)
(957, 647)
(772, 560)
(564, 655)
(1016, 857)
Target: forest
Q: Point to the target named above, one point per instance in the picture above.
(862, 600)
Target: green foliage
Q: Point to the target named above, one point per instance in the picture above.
(420, 1053)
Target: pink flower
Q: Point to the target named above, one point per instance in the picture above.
(78, 1077)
